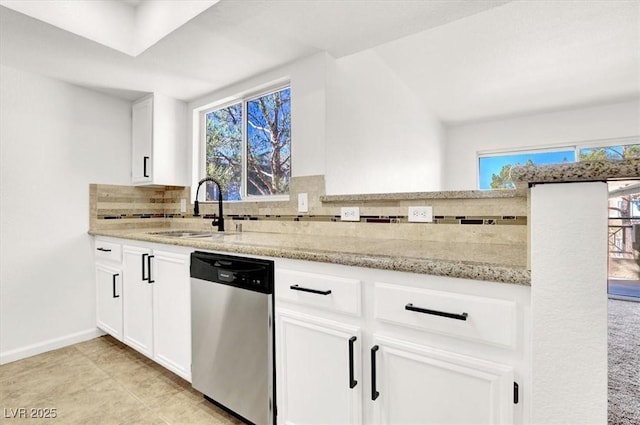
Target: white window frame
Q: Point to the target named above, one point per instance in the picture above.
(519, 151)
(576, 146)
(622, 141)
(200, 124)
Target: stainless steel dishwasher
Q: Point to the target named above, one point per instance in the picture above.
(232, 335)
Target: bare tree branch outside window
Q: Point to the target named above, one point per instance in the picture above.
(267, 129)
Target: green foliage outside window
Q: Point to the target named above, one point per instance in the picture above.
(610, 153)
(502, 178)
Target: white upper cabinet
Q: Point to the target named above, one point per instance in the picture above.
(159, 141)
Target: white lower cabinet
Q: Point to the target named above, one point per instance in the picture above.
(425, 351)
(172, 312)
(138, 299)
(144, 301)
(417, 384)
(318, 365)
(109, 299)
(157, 306)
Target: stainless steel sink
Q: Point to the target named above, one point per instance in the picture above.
(185, 233)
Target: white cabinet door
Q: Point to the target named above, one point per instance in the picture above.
(138, 299)
(172, 312)
(319, 371)
(109, 300)
(422, 385)
(159, 141)
(142, 141)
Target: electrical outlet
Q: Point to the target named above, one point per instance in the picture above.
(183, 205)
(350, 214)
(303, 203)
(420, 214)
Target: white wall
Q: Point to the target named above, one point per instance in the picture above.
(55, 139)
(307, 78)
(354, 121)
(380, 135)
(561, 128)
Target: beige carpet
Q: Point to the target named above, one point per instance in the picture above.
(624, 362)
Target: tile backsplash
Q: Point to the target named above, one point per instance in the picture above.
(458, 216)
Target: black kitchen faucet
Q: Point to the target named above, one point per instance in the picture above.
(196, 208)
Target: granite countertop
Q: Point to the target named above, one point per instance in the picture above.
(488, 262)
(409, 196)
(584, 171)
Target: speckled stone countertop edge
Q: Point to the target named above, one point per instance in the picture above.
(409, 196)
(436, 267)
(584, 171)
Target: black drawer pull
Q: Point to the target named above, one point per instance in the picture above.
(103, 249)
(149, 269)
(313, 291)
(374, 391)
(144, 257)
(352, 382)
(462, 316)
(114, 286)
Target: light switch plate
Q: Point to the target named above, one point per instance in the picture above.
(350, 214)
(420, 214)
(183, 205)
(303, 203)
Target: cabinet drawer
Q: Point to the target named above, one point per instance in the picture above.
(318, 290)
(108, 251)
(468, 317)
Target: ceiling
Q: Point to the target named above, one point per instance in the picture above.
(129, 26)
(468, 59)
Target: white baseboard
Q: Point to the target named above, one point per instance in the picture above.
(52, 344)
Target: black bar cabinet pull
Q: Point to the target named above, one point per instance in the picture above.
(313, 291)
(374, 392)
(462, 316)
(144, 256)
(149, 269)
(103, 249)
(352, 382)
(114, 286)
(144, 166)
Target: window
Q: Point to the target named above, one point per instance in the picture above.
(494, 170)
(611, 153)
(248, 146)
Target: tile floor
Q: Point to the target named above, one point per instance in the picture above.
(100, 382)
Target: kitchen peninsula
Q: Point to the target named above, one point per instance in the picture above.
(550, 321)
(471, 258)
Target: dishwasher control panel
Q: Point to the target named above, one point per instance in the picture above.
(247, 273)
